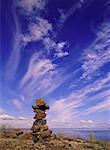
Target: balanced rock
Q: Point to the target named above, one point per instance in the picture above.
(40, 122)
(35, 128)
(40, 129)
(43, 128)
(39, 114)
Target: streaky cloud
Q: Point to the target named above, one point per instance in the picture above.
(97, 54)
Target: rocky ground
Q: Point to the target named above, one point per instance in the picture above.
(59, 143)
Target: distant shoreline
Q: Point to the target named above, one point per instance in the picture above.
(100, 134)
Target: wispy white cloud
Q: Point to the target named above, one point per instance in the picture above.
(59, 48)
(31, 5)
(100, 107)
(16, 122)
(6, 117)
(22, 97)
(2, 111)
(15, 53)
(42, 76)
(87, 123)
(62, 110)
(99, 84)
(65, 15)
(38, 68)
(98, 53)
(49, 43)
(61, 114)
(22, 118)
(40, 28)
(37, 30)
(10, 117)
(17, 104)
(65, 109)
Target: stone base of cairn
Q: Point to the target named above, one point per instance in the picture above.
(40, 131)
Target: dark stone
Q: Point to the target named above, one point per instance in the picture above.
(42, 107)
(19, 133)
(40, 122)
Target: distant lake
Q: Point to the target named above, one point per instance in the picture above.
(100, 134)
(84, 133)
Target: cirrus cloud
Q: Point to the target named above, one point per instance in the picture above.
(97, 54)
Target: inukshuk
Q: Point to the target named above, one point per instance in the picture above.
(40, 129)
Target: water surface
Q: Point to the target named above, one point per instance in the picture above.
(100, 134)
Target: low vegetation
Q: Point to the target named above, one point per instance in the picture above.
(15, 139)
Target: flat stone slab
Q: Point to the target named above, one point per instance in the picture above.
(40, 122)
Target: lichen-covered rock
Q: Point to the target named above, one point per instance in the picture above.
(40, 102)
(43, 128)
(39, 114)
(45, 133)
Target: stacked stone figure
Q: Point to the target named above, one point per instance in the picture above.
(40, 129)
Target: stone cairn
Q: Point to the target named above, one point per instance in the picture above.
(40, 131)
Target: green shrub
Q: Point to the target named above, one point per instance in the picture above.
(91, 137)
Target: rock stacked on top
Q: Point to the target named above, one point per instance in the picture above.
(40, 129)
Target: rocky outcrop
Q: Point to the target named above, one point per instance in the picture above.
(11, 133)
(60, 143)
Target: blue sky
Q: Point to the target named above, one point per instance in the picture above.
(57, 50)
